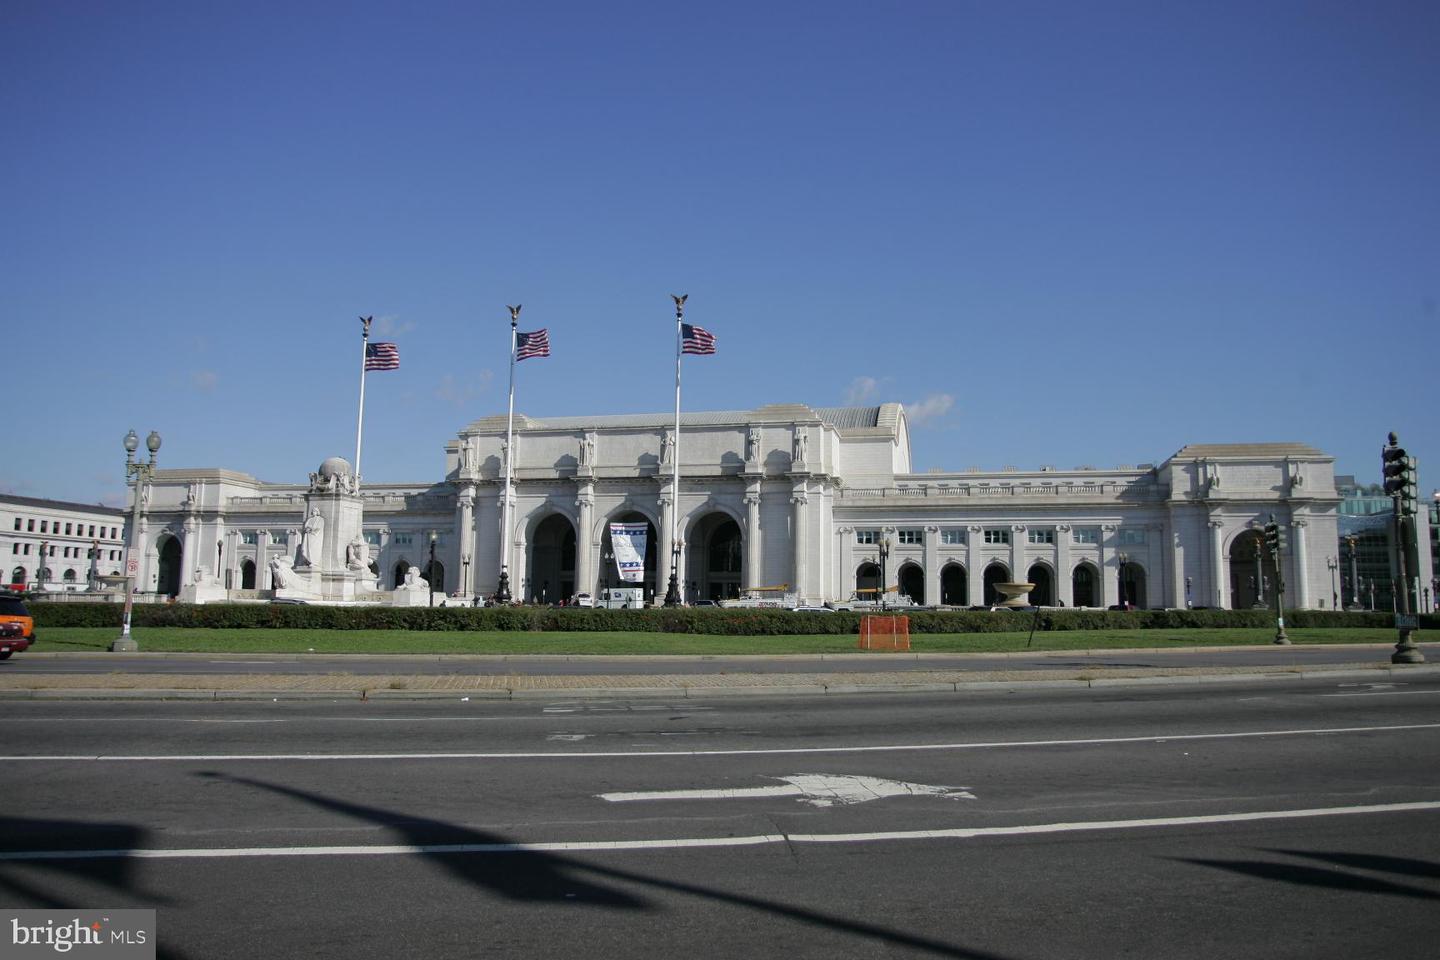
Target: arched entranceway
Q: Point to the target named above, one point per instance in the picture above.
(1043, 595)
(247, 574)
(401, 568)
(551, 570)
(867, 581)
(1082, 586)
(610, 574)
(1132, 585)
(1249, 576)
(714, 559)
(912, 582)
(995, 573)
(18, 575)
(954, 585)
(168, 581)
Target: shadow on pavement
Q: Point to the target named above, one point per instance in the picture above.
(116, 873)
(1406, 866)
(1316, 877)
(544, 876)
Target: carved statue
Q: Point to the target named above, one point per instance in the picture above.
(667, 448)
(468, 455)
(587, 450)
(752, 444)
(357, 554)
(800, 440)
(313, 541)
(282, 573)
(413, 580)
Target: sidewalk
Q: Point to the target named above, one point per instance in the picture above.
(116, 684)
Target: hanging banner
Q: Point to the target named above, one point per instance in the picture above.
(628, 540)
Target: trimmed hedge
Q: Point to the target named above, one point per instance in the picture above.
(707, 620)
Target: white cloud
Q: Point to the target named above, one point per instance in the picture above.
(459, 394)
(204, 380)
(861, 391)
(931, 408)
(390, 326)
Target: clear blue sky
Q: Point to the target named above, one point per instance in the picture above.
(1062, 233)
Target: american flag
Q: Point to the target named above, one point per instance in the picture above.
(695, 339)
(529, 345)
(382, 356)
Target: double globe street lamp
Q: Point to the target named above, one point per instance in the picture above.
(142, 474)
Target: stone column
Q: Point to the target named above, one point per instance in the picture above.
(586, 551)
(465, 527)
(662, 554)
(1018, 567)
(846, 555)
(932, 564)
(975, 564)
(800, 500)
(1064, 576)
(752, 536)
(1109, 572)
(187, 550)
(262, 559)
(1299, 596)
(1221, 585)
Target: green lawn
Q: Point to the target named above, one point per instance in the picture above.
(178, 640)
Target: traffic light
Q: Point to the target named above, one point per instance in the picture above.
(1399, 471)
(1273, 540)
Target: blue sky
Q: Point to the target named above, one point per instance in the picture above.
(1061, 233)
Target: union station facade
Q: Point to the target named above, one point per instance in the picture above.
(784, 497)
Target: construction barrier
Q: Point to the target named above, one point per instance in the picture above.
(884, 633)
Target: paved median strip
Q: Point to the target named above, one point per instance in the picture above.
(516, 686)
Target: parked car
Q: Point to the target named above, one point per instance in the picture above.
(17, 627)
(583, 600)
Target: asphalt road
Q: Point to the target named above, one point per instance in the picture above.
(476, 665)
(1214, 821)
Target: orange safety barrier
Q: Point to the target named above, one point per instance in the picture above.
(884, 633)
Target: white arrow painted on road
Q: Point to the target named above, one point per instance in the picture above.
(816, 789)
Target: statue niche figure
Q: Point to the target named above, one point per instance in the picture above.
(357, 554)
(283, 575)
(313, 541)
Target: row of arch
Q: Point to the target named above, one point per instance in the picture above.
(1085, 585)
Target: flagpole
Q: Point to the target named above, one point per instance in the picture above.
(672, 591)
(360, 421)
(502, 589)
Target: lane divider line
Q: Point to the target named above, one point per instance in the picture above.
(578, 846)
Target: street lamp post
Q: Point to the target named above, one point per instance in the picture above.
(1188, 604)
(883, 548)
(1259, 603)
(43, 573)
(94, 565)
(1354, 574)
(465, 566)
(1120, 560)
(1334, 564)
(430, 570)
(142, 474)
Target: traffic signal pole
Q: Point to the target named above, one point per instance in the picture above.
(1275, 540)
(1399, 471)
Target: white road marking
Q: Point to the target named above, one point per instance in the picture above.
(816, 789)
(571, 846)
(1385, 693)
(777, 751)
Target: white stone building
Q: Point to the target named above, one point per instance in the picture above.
(783, 495)
(59, 546)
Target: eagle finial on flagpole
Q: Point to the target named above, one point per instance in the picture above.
(515, 312)
(365, 323)
(680, 300)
